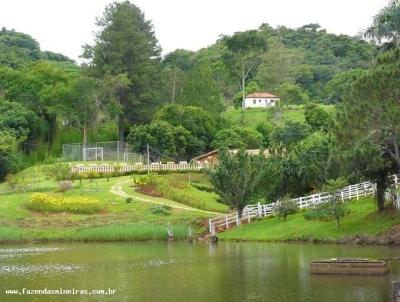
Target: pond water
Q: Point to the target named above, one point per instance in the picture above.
(188, 272)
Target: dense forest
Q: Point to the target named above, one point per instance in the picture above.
(183, 103)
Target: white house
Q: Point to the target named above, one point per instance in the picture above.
(260, 100)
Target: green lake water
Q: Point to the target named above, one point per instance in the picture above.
(189, 272)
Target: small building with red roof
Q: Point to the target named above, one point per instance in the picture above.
(260, 100)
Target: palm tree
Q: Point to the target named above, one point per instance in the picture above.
(386, 26)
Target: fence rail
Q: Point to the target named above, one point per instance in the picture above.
(106, 168)
(261, 210)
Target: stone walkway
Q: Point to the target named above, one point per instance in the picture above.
(118, 190)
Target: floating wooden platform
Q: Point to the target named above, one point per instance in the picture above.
(356, 266)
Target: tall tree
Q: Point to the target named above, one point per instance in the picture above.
(126, 44)
(201, 90)
(243, 56)
(369, 121)
(236, 178)
(386, 25)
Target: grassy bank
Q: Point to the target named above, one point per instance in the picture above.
(191, 189)
(128, 232)
(118, 220)
(363, 220)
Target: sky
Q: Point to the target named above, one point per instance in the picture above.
(65, 25)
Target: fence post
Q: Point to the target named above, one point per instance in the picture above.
(226, 222)
(237, 218)
(259, 210)
(342, 195)
(301, 203)
(395, 180)
(209, 225)
(357, 192)
(248, 216)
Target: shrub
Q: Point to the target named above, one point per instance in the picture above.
(286, 207)
(43, 202)
(59, 171)
(144, 179)
(332, 210)
(128, 199)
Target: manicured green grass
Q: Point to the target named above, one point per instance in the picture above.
(363, 220)
(194, 193)
(253, 117)
(117, 220)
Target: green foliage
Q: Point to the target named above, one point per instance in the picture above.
(337, 88)
(201, 90)
(167, 139)
(18, 120)
(237, 137)
(317, 118)
(369, 123)
(289, 134)
(8, 154)
(332, 210)
(250, 88)
(236, 178)
(292, 94)
(57, 171)
(363, 220)
(286, 207)
(386, 25)
(126, 45)
(197, 121)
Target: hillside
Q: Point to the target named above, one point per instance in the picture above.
(362, 221)
(254, 117)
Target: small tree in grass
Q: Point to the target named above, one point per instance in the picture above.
(286, 207)
(236, 178)
(334, 209)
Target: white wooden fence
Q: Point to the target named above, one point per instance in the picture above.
(261, 210)
(107, 168)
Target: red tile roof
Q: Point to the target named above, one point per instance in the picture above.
(261, 95)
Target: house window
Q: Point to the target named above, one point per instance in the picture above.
(259, 101)
(254, 102)
(272, 101)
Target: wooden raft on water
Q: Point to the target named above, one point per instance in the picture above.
(356, 266)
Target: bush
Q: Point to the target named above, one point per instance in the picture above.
(128, 200)
(286, 207)
(143, 179)
(59, 171)
(332, 210)
(43, 202)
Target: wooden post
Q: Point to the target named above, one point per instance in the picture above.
(209, 225)
(342, 195)
(237, 218)
(226, 222)
(248, 216)
(259, 209)
(357, 192)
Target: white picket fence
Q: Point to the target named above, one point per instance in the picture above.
(261, 210)
(107, 168)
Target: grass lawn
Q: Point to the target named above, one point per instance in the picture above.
(253, 117)
(118, 220)
(363, 220)
(177, 187)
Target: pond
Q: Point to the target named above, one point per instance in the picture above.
(182, 271)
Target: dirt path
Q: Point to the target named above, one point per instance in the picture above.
(118, 190)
